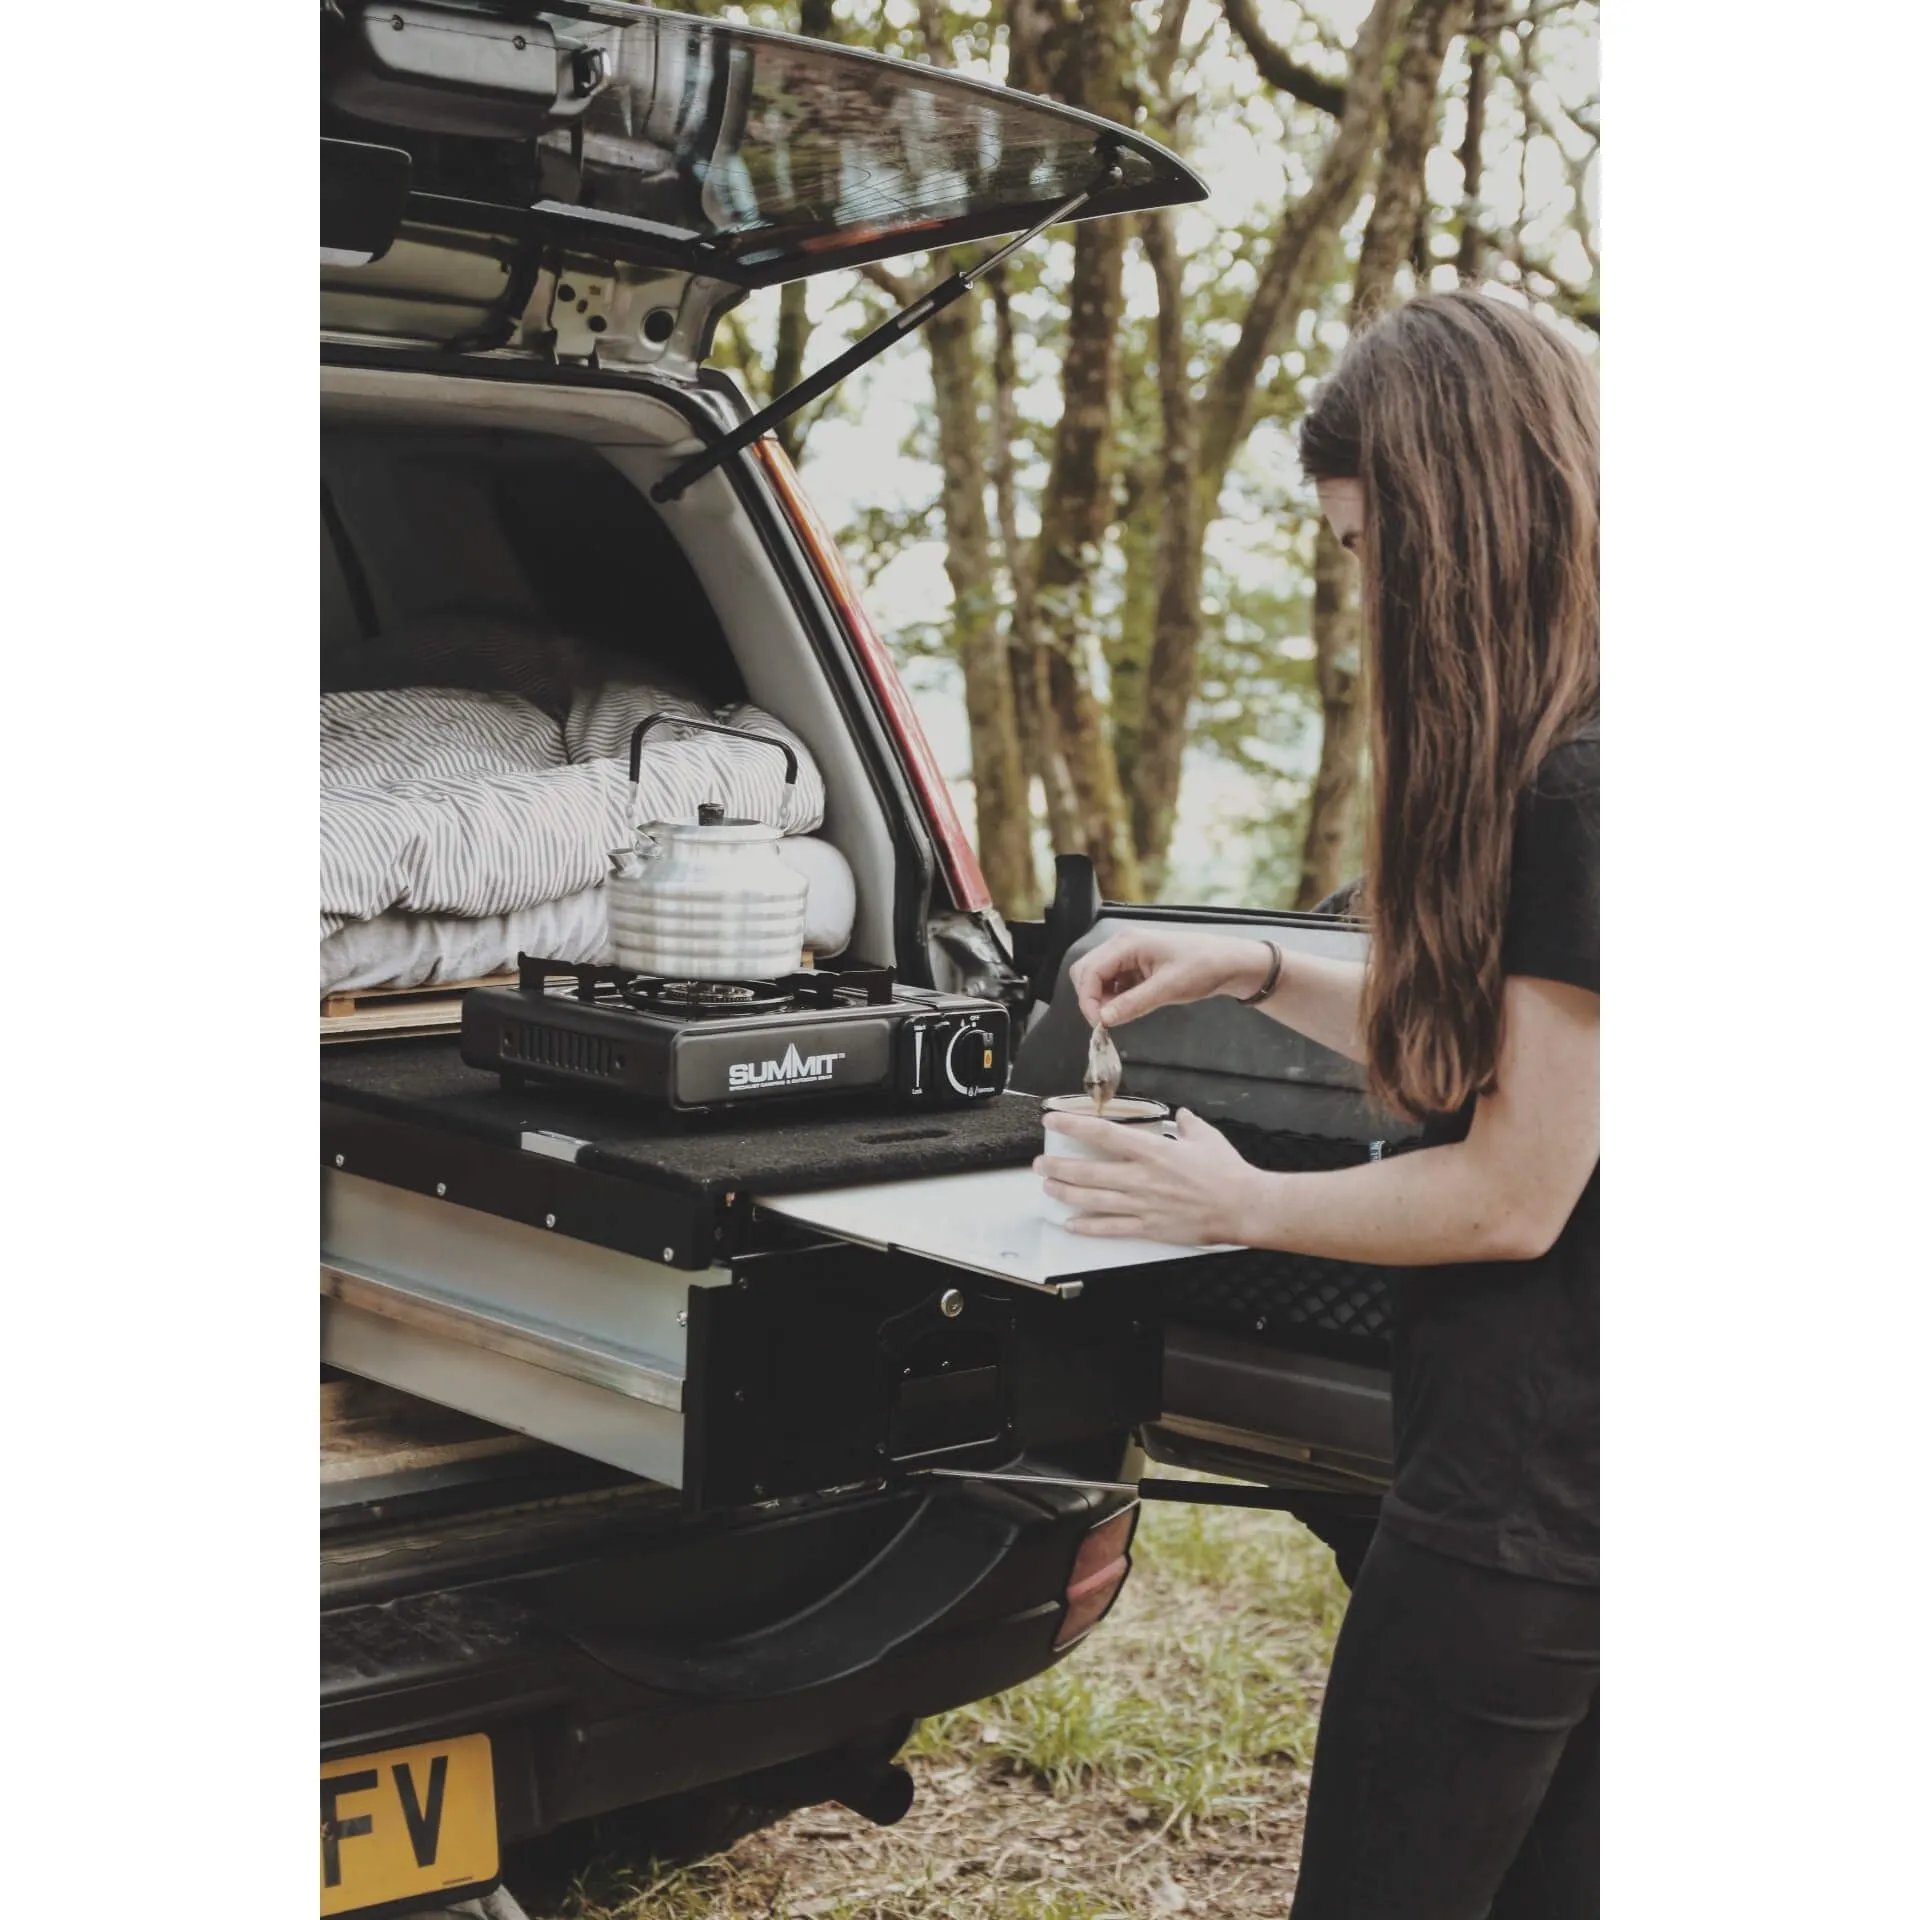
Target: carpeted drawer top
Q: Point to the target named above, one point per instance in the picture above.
(780, 1150)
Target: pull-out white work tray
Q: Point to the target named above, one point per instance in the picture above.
(987, 1223)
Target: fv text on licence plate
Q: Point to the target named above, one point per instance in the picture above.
(407, 1822)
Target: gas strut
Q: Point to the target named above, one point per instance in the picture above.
(895, 327)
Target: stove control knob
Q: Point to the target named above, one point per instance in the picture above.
(973, 1065)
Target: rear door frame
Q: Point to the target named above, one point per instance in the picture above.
(834, 648)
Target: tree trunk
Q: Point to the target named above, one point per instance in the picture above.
(1398, 194)
(1421, 251)
(1154, 776)
(1040, 752)
(1293, 271)
(1023, 46)
(1003, 831)
(1127, 637)
(790, 361)
(1472, 138)
(795, 329)
(1073, 521)
(1128, 645)
(1076, 507)
(1411, 111)
(1325, 847)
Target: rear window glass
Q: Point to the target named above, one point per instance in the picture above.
(764, 158)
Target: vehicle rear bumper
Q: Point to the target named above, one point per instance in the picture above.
(587, 1713)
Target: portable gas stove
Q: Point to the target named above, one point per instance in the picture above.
(704, 1046)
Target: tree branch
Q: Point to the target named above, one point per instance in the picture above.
(1577, 303)
(1312, 220)
(1277, 67)
(1586, 117)
(902, 291)
(1524, 82)
(1526, 17)
(1165, 51)
(1472, 161)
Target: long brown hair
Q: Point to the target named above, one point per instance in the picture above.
(1473, 430)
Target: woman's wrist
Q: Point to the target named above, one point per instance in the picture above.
(1255, 965)
(1252, 1210)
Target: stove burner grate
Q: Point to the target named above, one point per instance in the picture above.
(614, 987)
(695, 998)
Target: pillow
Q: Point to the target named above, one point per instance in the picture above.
(830, 893)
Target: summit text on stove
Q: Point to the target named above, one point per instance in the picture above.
(793, 1065)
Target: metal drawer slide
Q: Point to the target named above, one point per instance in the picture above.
(574, 1343)
(514, 1336)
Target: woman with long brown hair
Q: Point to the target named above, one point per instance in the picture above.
(1456, 453)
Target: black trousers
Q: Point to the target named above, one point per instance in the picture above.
(1457, 1771)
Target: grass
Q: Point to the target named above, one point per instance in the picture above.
(1160, 1769)
(1224, 1630)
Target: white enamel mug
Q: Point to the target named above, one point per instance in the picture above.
(1123, 1110)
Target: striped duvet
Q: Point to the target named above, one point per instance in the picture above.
(432, 949)
(443, 800)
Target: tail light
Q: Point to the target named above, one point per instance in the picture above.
(966, 884)
(1100, 1570)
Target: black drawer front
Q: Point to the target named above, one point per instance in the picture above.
(656, 1223)
(827, 1366)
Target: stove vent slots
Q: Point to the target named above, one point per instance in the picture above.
(583, 1053)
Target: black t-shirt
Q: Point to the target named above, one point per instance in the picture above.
(1496, 1365)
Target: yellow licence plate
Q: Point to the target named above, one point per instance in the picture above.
(410, 1821)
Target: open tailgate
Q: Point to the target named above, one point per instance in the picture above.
(630, 143)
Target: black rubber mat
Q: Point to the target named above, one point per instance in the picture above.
(1287, 1299)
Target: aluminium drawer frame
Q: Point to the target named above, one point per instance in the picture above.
(805, 1364)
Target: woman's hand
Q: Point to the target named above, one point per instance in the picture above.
(1147, 967)
(1192, 1191)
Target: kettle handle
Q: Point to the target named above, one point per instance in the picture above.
(713, 726)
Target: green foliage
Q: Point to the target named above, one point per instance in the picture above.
(1189, 1710)
(1209, 1697)
(878, 535)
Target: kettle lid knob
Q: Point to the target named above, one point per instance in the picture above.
(712, 813)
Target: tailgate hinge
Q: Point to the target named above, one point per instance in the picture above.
(895, 327)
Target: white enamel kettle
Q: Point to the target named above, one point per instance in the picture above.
(711, 901)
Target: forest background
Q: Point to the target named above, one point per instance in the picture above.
(1073, 500)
